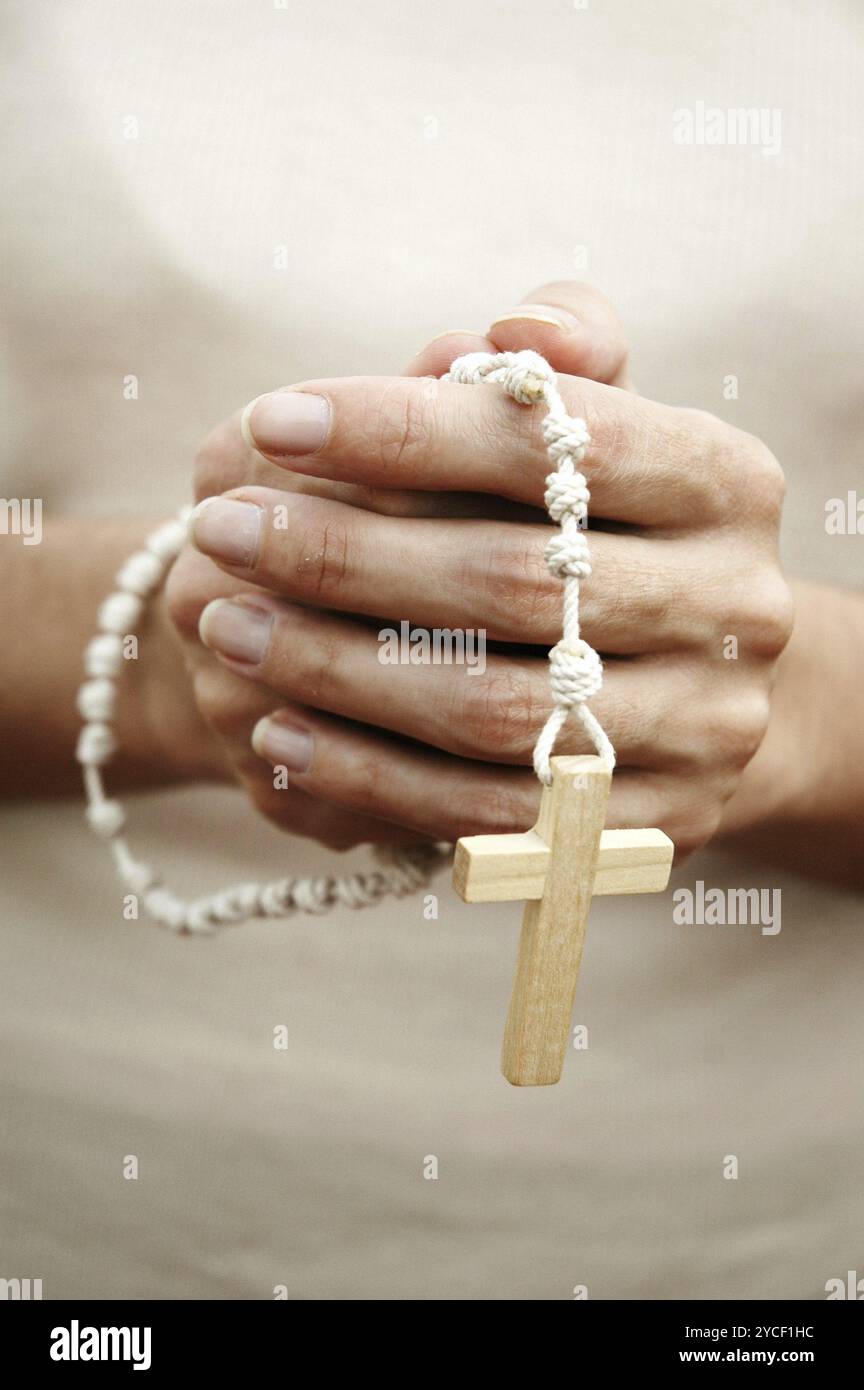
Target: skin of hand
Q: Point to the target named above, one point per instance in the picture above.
(395, 511)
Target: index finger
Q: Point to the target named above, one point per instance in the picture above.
(643, 463)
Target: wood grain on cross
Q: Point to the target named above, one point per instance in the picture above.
(557, 868)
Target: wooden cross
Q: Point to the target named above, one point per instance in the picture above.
(557, 867)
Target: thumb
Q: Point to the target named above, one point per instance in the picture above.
(573, 326)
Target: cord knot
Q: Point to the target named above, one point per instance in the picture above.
(575, 672)
(527, 377)
(568, 556)
(565, 437)
(471, 368)
(566, 497)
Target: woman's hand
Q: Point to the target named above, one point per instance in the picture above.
(686, 602)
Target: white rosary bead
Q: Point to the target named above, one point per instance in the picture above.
(141, 573)
(199, 918)
(120, 613)
(168, 910)
(97, 699)
(139, 877)
(228, 907)
(96, 743)
(309, 894)
(106, 818)
(276, 899)
(168, 540)
(248, 899)
(103, 655)
(352, 891)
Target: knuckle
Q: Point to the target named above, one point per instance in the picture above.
(314, 663)
(503, 809)
(400, 425)
(696, 432)
(738, 728)
(630, 441)
(766, 480)
(524, 599)
(322, 567)
(758, 612)
(708, 460)
(369, 781)
(756, 473)
(715, 737)
(747, 471)
(769, 616)
(692, 828)
(381, 500)
(499, 713)
(713, 436)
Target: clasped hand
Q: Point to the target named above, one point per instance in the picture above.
(346, 505)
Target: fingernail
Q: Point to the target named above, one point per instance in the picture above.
(227, 530)
(458, 333)
(236, 630)
(541, 313)
(283, 743)
(286, 422)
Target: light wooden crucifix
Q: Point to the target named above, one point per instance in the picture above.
(557, 868)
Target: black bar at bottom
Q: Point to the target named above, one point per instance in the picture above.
(67, 1338)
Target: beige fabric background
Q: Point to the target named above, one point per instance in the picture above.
(309, 127)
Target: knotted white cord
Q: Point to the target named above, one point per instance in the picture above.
(575, 674)
(575, 669)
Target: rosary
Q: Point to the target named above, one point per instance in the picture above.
(555, 869)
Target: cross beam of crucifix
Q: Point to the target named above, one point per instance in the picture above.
(557, 868)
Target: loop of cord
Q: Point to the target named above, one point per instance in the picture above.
(575, 672)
